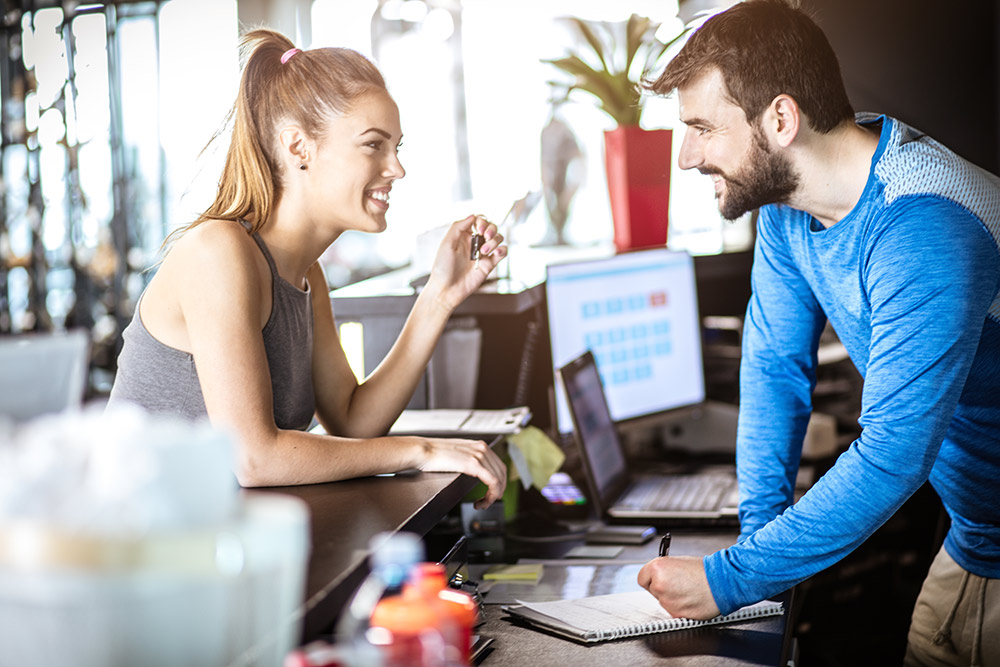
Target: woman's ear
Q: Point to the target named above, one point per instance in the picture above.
(295, 147)
(782, 120)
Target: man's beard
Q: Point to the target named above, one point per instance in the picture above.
(766, 177)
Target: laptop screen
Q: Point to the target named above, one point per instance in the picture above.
(600, 448)
(638, 313)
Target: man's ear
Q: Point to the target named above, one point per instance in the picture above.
(295, 146)
(782, 120)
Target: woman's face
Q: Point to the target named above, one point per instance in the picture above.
(356, 164)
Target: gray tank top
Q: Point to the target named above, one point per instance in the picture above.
(163, 379)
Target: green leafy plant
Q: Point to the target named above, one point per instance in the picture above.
(620, 55)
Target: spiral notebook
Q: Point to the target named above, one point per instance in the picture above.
(604, 617)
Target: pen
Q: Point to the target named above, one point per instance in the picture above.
(665, 544)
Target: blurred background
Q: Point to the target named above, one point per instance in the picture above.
(106, 109)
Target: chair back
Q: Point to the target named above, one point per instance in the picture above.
(42, 373)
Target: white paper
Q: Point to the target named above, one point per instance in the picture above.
(602, 612)
(495, 421)
(458, 422)
(415, 421)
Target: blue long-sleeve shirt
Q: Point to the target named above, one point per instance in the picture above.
(909, 280)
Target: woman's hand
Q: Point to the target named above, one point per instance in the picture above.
(454, 276)
(472, 457)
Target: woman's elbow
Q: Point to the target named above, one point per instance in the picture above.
(248, 475)
(355, 429)
(251, 468)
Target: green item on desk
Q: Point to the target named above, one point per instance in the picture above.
(534, 455)
(510, 499)
(527, 573)
(511, 493)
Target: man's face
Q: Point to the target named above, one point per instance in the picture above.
(719, 142)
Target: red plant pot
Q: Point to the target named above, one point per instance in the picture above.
(638, 167)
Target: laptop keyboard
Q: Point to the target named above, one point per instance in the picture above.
(704, 492)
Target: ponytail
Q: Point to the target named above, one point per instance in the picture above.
(278, 83)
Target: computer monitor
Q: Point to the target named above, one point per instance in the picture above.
(637, 313)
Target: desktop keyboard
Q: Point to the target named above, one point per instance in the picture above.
(702, 492)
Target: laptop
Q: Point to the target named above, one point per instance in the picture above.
(708, 494)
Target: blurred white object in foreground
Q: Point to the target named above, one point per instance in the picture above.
(125, 540)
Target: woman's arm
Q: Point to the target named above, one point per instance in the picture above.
(218, 285)
(369, 409)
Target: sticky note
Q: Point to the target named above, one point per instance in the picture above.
(535, 456)
(526, 573)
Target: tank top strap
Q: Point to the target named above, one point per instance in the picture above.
(263, 247)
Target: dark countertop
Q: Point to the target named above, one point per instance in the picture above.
(757, 642)
(344, 517)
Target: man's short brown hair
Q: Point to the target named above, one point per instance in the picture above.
(764, 48)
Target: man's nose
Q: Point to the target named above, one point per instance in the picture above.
(690, 155)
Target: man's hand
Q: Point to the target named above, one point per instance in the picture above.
(680, 586)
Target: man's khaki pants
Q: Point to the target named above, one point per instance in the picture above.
(956, 620)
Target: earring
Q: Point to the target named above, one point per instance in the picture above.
(302, 167)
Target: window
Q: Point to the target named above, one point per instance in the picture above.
(480, 151)
(107, 107)
(103, 109)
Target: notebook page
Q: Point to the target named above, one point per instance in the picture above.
(604, 617)
(603, 612)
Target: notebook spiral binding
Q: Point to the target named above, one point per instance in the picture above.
(680, 624)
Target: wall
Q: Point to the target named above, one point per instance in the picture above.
(932, 64)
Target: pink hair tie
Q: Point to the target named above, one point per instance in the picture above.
(287, 55)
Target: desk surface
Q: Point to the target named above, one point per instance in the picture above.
(343, 518)
(345, 515)
(757, 642)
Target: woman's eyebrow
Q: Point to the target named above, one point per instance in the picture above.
(377, 131)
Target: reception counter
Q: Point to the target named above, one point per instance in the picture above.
(345, 515)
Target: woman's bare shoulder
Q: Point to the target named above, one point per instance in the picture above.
(214, 247)
(212, 268)
(214, 237)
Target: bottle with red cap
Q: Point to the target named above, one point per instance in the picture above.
(427, 625)
(393, 557)
(456, 607)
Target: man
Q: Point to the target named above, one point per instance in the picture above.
(867, 222)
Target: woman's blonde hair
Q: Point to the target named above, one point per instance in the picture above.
(278, 84)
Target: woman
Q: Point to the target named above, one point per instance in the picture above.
(237, 324)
